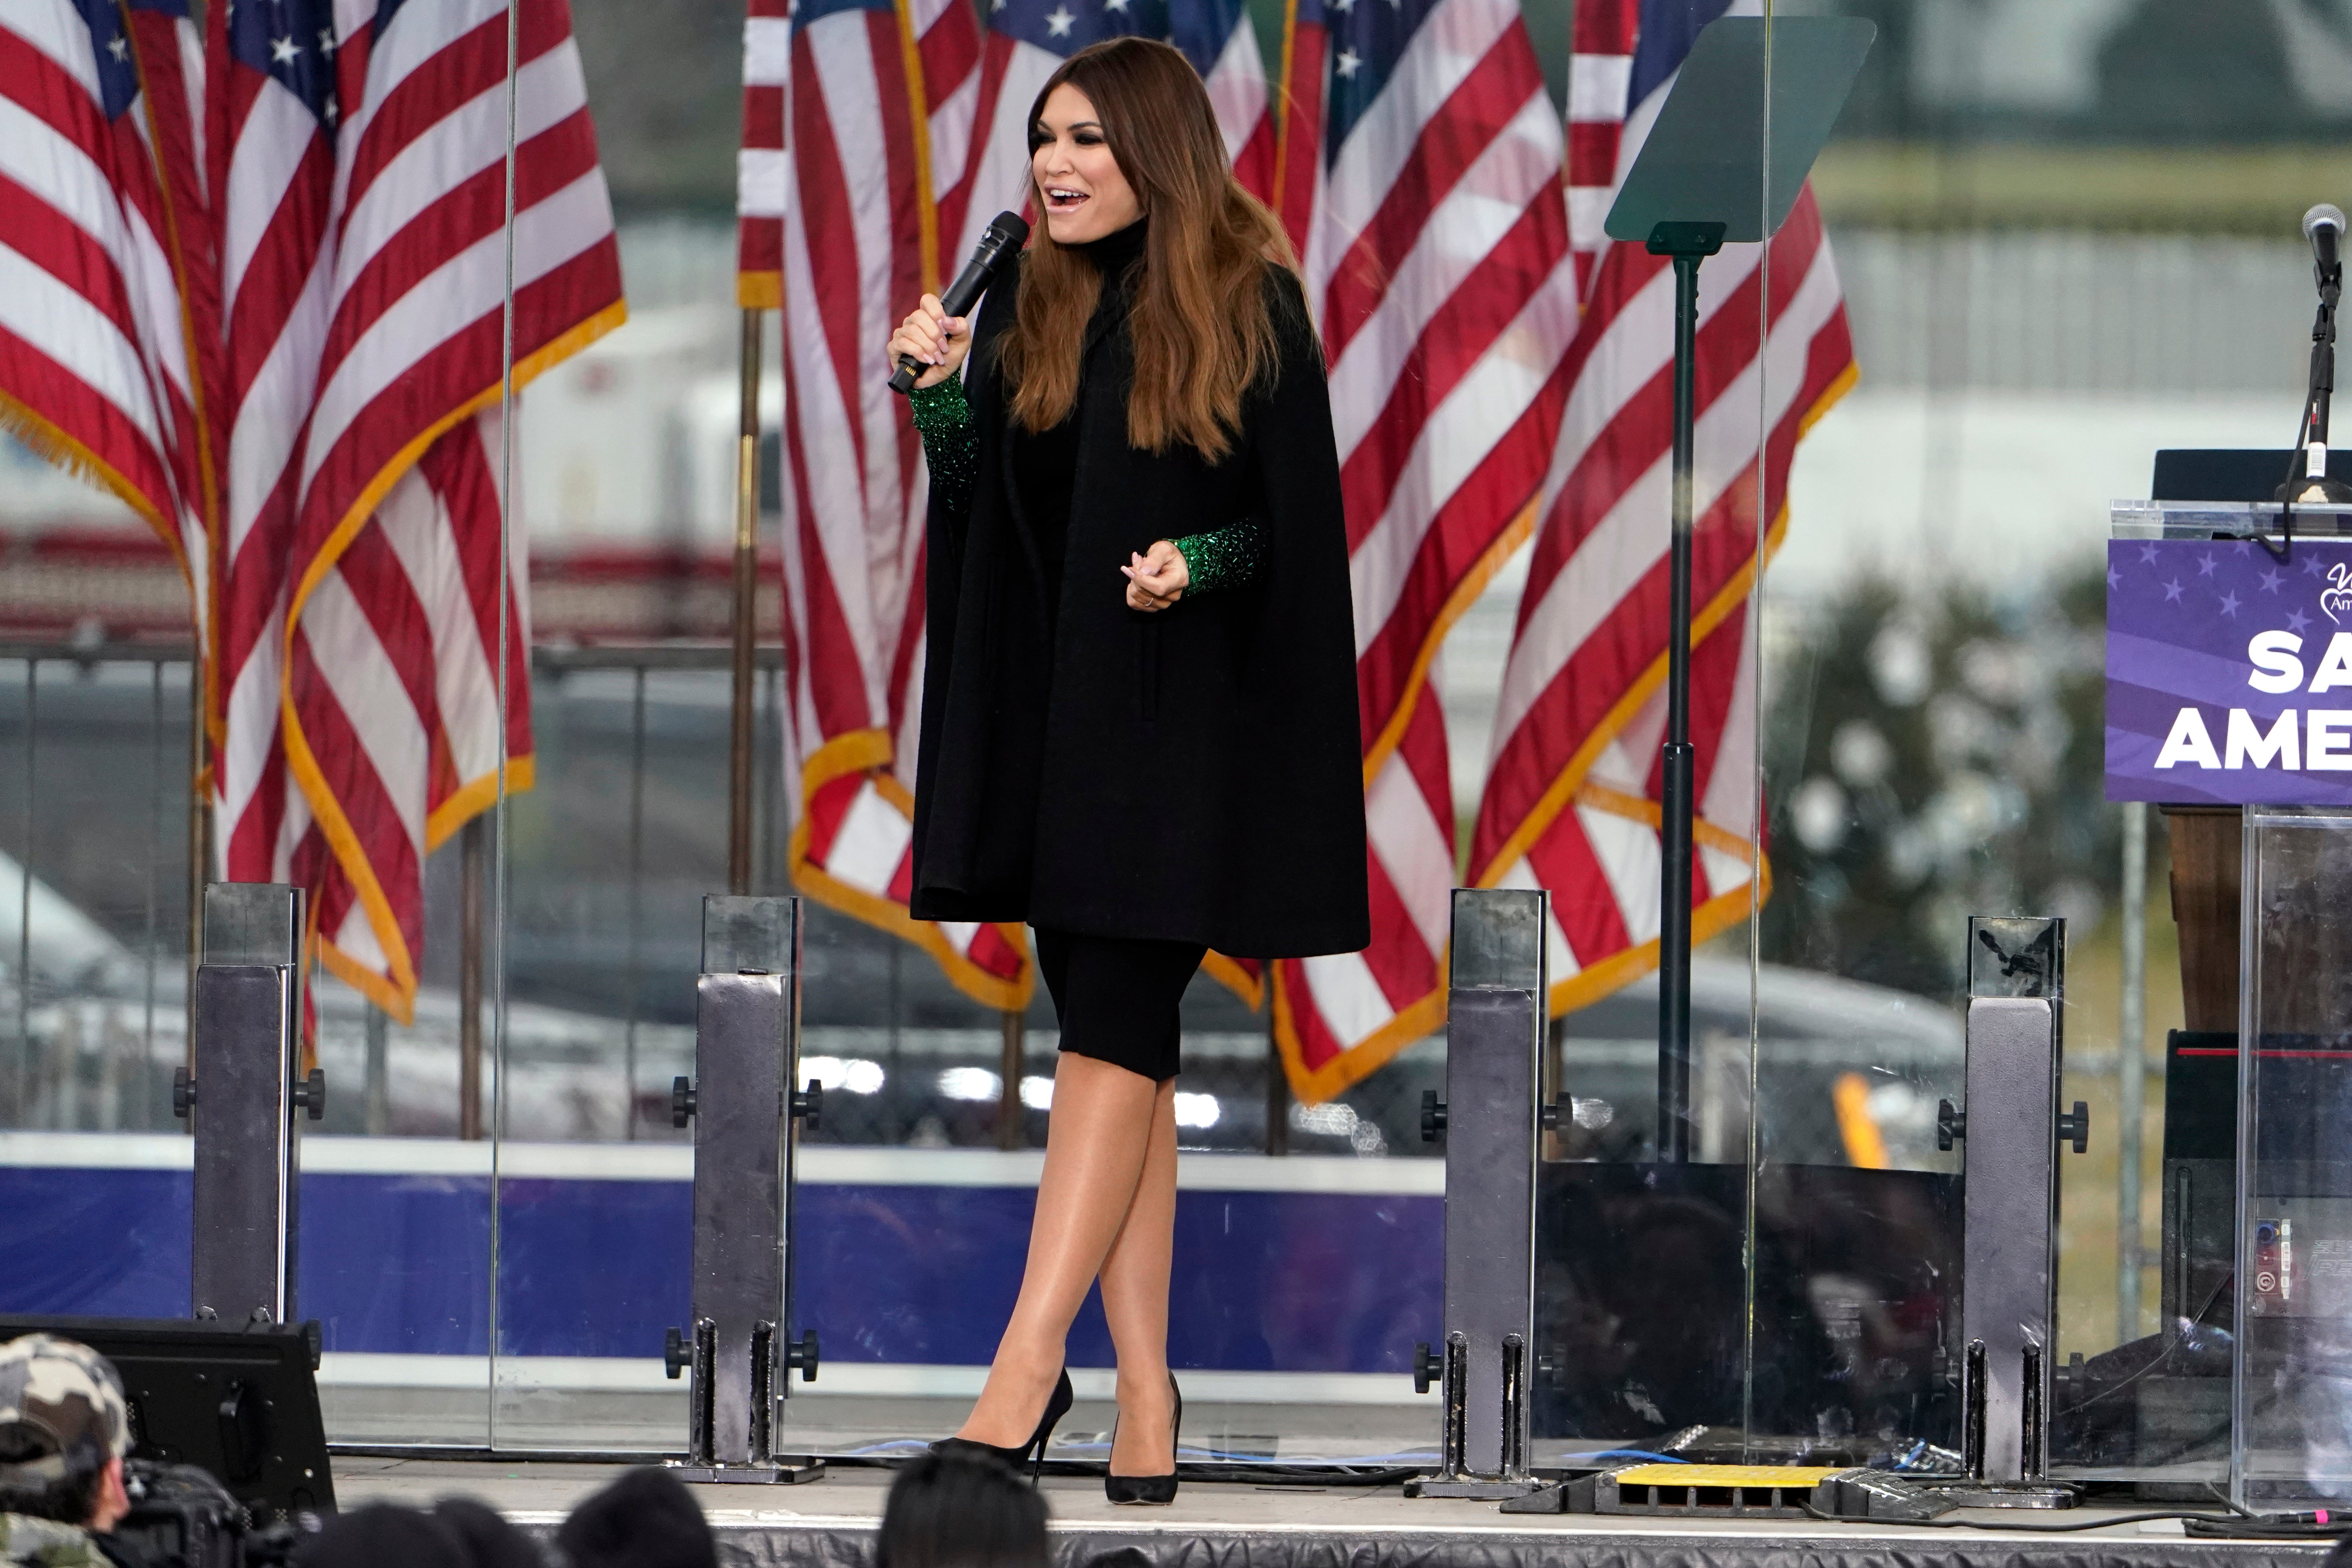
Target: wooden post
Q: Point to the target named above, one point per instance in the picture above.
(1277, 1081)
(1010, 1127)
(747, 575)
(2206, 852)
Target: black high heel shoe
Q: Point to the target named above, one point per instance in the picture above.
(1151, 1490)
(1033, 1452)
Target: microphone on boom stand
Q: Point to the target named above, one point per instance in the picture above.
(1005, 236)
(2323, 226)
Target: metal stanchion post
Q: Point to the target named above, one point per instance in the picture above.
(2011, 1126)
(744, 1109)
(243, 1097)
(1491, 1119)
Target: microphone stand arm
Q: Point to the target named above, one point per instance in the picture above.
(2323, 355)
(1688, 244)
(2310, 484)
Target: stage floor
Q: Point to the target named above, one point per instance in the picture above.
(823, 1420)
(829, 1523)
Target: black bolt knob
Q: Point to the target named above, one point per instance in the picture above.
(1951, 1122)
(675, 1356)
(809, 1106)
(1428, 1367)
(802, 1355)
(1548, 1116)
(2076, 1129)
(183, 1092)
(310, 1094)
(1433, 1116)
(681, 1101)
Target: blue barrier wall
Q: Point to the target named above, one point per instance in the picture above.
(1288, 1281)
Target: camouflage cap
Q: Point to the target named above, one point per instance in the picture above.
(61, 1409)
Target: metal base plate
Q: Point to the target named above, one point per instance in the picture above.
(778, 1473)
(1486, 1492)
(2006, 1494)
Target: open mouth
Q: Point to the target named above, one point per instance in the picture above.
(1062, 199)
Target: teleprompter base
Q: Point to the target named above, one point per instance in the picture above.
(2009, 1494)
(1489, 1491)
(776, 1473)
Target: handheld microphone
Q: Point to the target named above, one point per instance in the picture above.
(1008, 233)
(2324, 227)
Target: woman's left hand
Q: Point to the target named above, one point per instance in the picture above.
(1157, 578)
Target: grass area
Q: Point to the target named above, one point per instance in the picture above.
(2255, 190)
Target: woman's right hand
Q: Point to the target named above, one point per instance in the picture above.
(933, 338)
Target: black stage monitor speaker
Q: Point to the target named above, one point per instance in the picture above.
(2232, 473)
(241, 1403)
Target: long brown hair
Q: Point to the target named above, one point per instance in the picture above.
(1200, 321)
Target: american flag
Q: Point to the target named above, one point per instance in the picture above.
(942, 69)
(1028, 39)
(101, 366)
(1436, 253)
(1572, 792)
(855, 246)
(270, 146)
(366, 259)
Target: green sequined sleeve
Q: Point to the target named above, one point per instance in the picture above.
(1224, 557)
(950, 443)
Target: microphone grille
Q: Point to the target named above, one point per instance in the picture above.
(1015, 228)
(2327, 215)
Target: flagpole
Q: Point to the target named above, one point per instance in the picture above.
(470, 879)
(200, 844)
(747, 564)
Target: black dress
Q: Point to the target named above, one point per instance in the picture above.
(1190, 776)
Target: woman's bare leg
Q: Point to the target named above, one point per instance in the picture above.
(1097, 1143)
(1135, 1300)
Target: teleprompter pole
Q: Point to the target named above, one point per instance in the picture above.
(1688, 244)
(747, 578)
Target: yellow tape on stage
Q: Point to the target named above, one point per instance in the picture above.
(1723, 1475)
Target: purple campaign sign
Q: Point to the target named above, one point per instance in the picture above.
(2229, 672)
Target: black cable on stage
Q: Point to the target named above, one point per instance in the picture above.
(2220, 1524)
(1304, 1476)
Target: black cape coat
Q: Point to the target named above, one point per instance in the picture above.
(1192, 774)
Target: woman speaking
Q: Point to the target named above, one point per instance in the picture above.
(1139, 725)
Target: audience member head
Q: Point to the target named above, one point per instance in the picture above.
(386, 1535)
(64, 1429)
(954, 1511)
(490, 1540)
(644, 1519)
